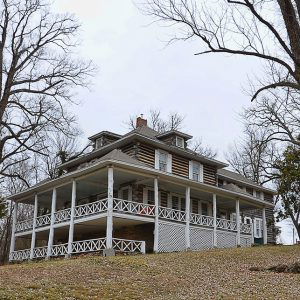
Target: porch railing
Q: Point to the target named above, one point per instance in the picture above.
(43, 220)
(226, 224)
(246, 228)
(171, 214)
(90, 209)
(59, 250)
(19, 255)
(130, 246)
(135, 208)
(201, 220)
(62, 215)
(40, 252)
(89, 245)
(24, 225)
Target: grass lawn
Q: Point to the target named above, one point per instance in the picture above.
(214, 274)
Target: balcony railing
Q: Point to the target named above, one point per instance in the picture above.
(43, 220)
(94, 245)
(62, 215)
(90, 209)
(24, 225)
(134, 208)
(171, 214)
(246, 228)
(201, 220)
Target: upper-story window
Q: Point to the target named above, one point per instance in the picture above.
(99, 142)
(163, 161)
(179, 142)
(196, 171)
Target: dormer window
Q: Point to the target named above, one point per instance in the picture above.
(179, 142)
(99, 142)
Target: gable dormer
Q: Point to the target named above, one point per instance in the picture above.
(175, 138)
(104, 138)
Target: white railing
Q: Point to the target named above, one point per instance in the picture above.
(90, 208)
(89, 245)
(171, 214)
(135, 208)
(20, 255)
(226, 224)
(62, 215)
(129, 246)
(246, 228)
(24, 225)
(201, 220)
(58, 250)
(40, 252)
(43, 220)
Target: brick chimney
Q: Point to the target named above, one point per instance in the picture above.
(140, 121)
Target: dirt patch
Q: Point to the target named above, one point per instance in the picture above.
(281, 268)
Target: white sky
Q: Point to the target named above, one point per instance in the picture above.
(137, 72)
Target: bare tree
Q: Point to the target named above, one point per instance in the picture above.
(254, 156)
(263, 29)
(197, 146)
(38, 72)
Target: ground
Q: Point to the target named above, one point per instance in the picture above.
(213, 274)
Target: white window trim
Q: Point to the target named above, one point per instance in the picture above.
(129, 187)
(247, 218)
(169, 159)
(176, 141)
(180, 197)
(191, 170)
(260, 227)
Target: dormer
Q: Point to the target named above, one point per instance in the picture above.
(175, 138)
(104, 138)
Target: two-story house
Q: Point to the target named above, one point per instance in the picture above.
(140, 192)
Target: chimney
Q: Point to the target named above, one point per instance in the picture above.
(140, 121)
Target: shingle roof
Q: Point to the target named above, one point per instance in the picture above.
(144, 130)
(234, 188)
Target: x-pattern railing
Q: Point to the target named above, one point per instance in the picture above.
(24, 225)
(201, 220)
(62, 215)
(20, 255)
(246, 228)
(135, 208)
(43, 220)
(90, 208)
(171, 214)
(226, 224)
(89, 245)
(129, 246)
(40, 252)
(59, 250)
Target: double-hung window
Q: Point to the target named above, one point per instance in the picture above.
(257, 228)
(196, 171)
(179, 141)
(163, 161)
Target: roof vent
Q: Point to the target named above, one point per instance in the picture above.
(140, 121)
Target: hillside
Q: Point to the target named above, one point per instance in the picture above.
(214, 274)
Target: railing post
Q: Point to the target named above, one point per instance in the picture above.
(71, 226)
(33, 235)
(215, 219)
(238, 223)
(51, 231)
(156, 223)
(252, 232)
(264, 221)
(187, 217)
(110, 199)
(143, 247)
(13, 229)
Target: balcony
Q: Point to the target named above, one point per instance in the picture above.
(125, 207)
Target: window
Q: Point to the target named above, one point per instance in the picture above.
(151, 197)
(247, 220)
(163, 161)
(99, 142)
(204, 209)
(125, 194)
(175, 202)
(179, 142)
(258, 228)
(196, 171)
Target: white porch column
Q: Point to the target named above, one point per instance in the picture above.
(156, 224)
(110, 200)
(51, 231)
(238, 223)
(187, 214)
(71, 227)
(33, 235)
(252, 232)
(264, 221)
(215, 218)
(13, 229)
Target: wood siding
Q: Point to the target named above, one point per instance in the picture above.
(146, 154)
(180, 166)
(268, 197)
(209, 174)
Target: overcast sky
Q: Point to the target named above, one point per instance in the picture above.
(138, 71)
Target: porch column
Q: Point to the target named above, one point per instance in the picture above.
(187, 216)
(71, 227)
(110, 200)
(51, 231)
(33, 235)
(264, 221)
(13, 229)
(238, 223)
(252, 232)
(156, 224)
(215, 218)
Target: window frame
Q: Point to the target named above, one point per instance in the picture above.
(179, 138)
(158, 152)
(260, 222)
(191, 171)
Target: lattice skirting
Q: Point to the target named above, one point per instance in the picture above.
(201, 239)
(245, 241)
(226, 239)
(171, 237)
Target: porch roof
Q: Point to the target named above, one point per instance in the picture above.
(115, 160)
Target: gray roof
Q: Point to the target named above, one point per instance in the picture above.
(144, 130)
(175, 132)
(105, 132)
(234, 188)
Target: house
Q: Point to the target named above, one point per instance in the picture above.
(140, 192)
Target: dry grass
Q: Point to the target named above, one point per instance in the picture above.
(215, 274)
